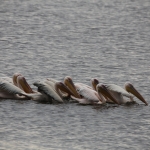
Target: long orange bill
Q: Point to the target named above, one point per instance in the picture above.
(103, 90)
(15, 76)
(131, 89)
(94, 83)
(69, 83)
(59, 86)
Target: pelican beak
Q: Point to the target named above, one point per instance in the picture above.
(94, 83)
(131, 89)
(60, 86)
(69, 83)
(103, 90)
(15, 76)
(22, 83)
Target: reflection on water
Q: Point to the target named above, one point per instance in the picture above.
(83, 39)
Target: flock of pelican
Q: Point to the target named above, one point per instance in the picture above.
(53, 91)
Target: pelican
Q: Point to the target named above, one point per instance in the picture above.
(55, 91)
(119, 93)
(18, 80)
(59, 87)
(17, 88)
(10, 91)
(84, 94)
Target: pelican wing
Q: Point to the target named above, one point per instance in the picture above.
(50, 83)
(52, 80)
(10, 88)
(88, 94)
(48, 90)
(119, 97)
(82, 84)
(118, 89)
(81, 100)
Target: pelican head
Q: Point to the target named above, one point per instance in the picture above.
(69, 83)
(94, 82)
(103, 90)
(131, 89)
(22, 84)
(15, 76)
(59, 86)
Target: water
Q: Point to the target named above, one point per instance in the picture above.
(106, 39)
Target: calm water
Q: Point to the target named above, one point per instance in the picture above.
(106, 39)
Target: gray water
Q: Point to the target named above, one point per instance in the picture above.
(106, 39)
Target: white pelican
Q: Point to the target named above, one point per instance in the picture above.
(55, 91)
(94, 83)
(10, 91)
(84, 94)
(17, 88)
(18, 80)
(119, 93)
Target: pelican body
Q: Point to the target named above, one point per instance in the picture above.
(54, 90)
(48, 91)
(17, 88)
(122, 96)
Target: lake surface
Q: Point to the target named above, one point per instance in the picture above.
(105, 39)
